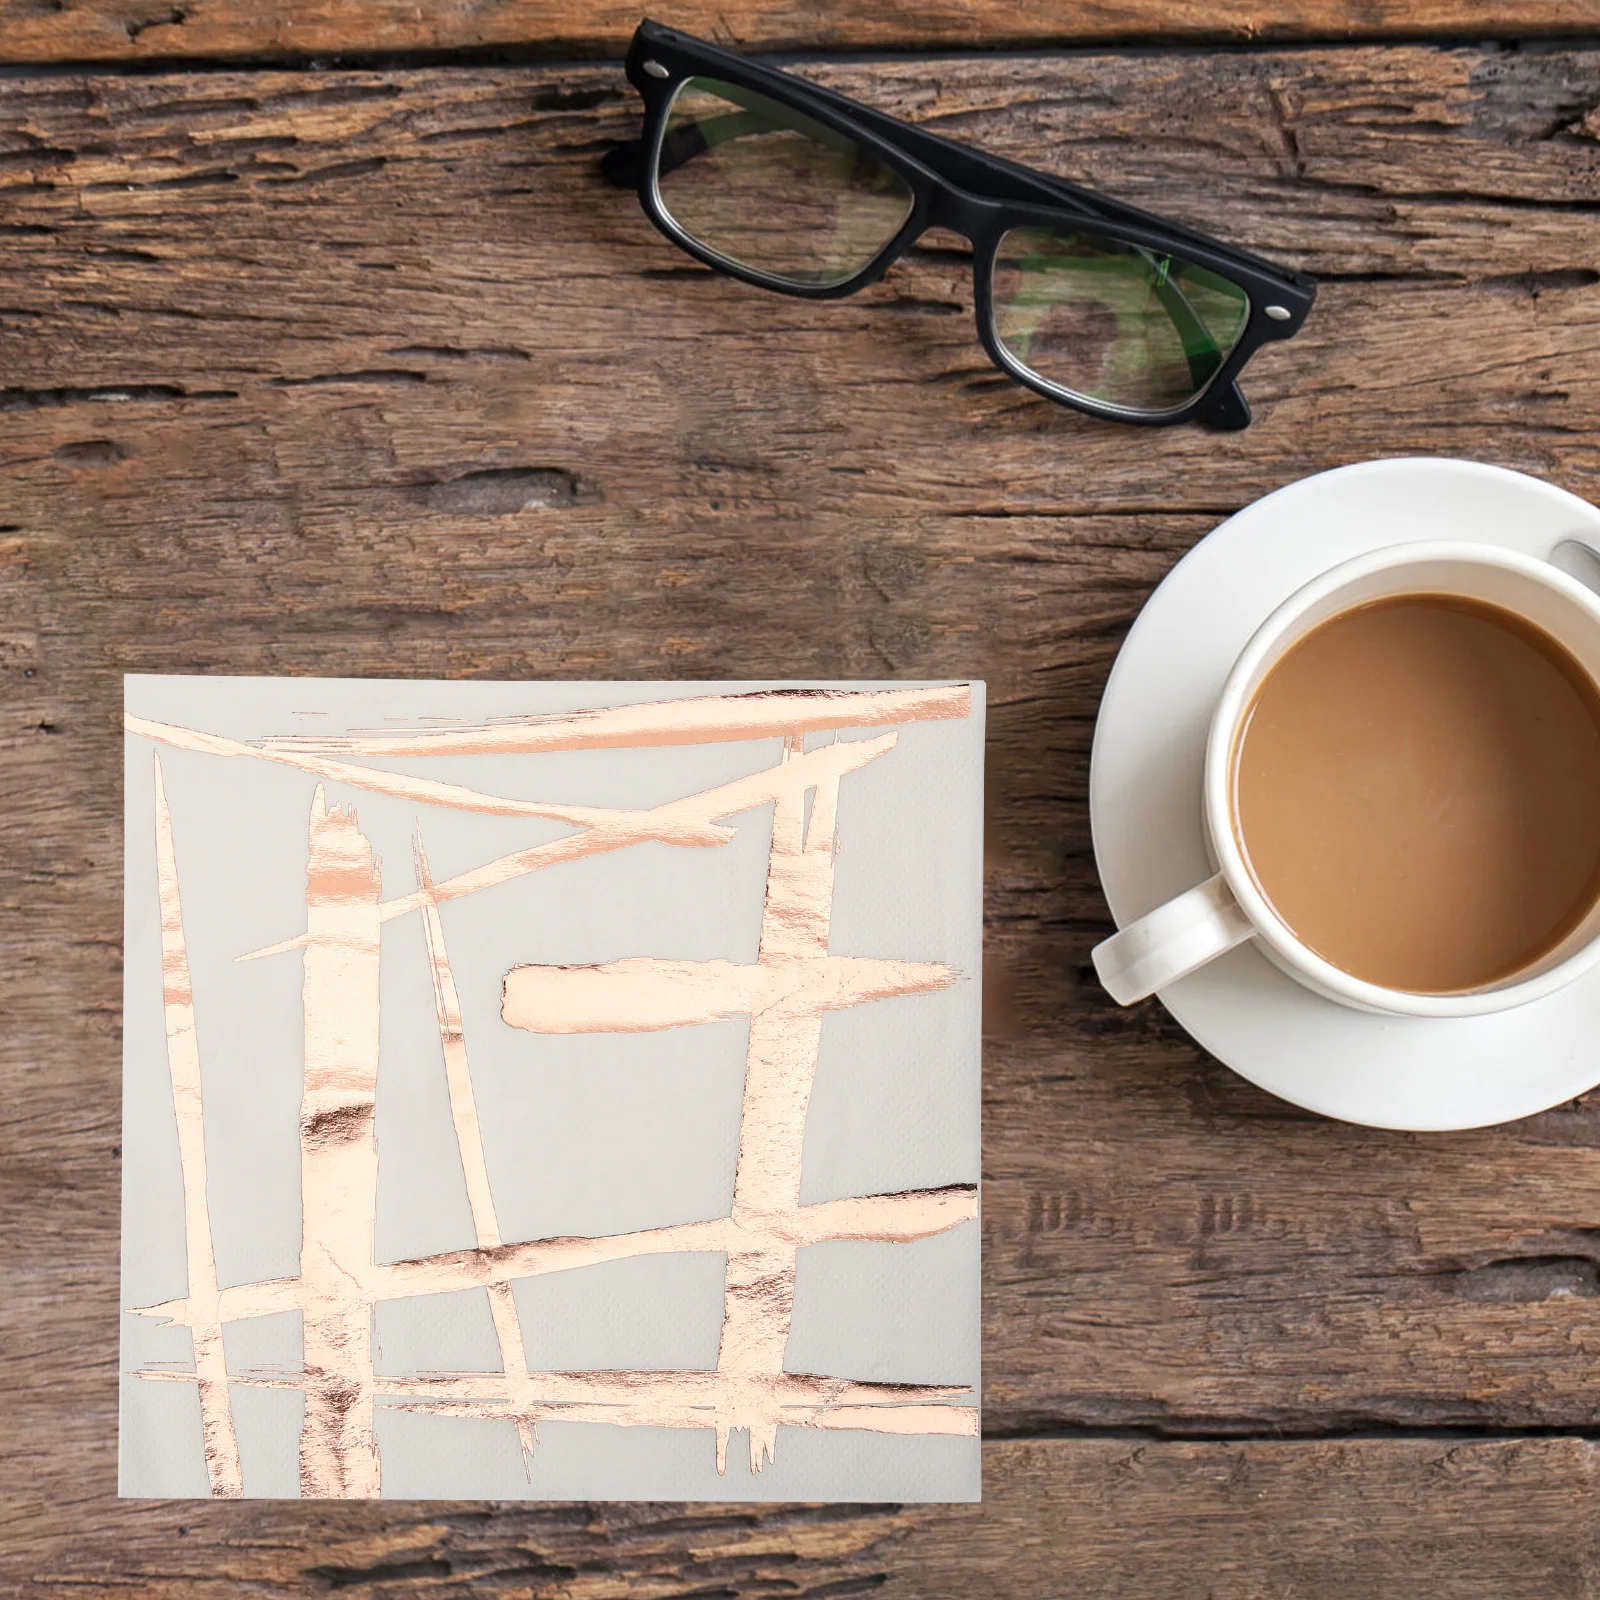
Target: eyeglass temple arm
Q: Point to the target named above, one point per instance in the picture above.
(1200, 348)
(1226, 410)
(623, 164)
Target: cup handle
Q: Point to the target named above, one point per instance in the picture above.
(1577, 556)
(1171, 942)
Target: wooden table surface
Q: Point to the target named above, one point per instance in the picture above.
(325, 349)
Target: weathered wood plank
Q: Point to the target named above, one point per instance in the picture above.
(369, 373)
(422, 275)
(1119, 1519)
(290, 30)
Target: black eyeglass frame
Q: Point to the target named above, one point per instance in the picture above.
(957, 187)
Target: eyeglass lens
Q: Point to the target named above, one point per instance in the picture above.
(770, 189)
(1110, 321)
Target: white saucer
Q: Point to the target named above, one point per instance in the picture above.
(1144, 798)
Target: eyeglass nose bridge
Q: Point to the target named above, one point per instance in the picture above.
(961, 213)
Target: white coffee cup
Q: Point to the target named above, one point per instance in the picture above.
(1210, 919)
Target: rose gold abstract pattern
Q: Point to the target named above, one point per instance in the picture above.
(779, 1066)
(784, 993)
(398, 784)
(338, 1155)
(763, 714)
(880, 1218)
(680, 822)
(183, 1063)
(664, 1399)
(641, 994)
(469, 1142)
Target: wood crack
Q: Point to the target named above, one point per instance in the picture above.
(1206, 1431)
(47, 399)
(382, 377)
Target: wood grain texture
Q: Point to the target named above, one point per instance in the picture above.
(369, 373)
(1116, 1519)
(142, 31)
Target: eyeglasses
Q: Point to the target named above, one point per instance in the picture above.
(1090, 302)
